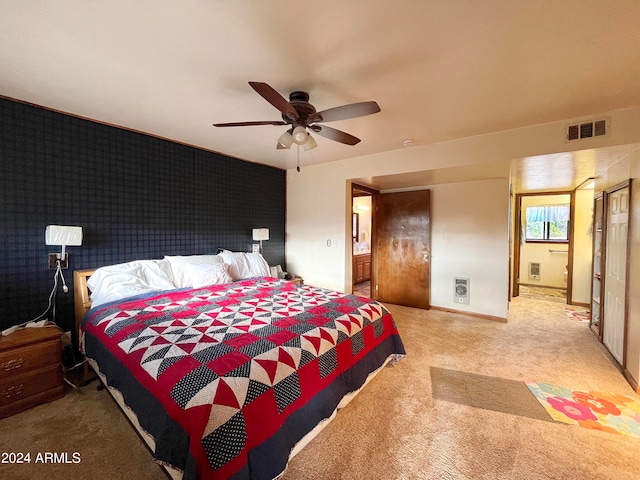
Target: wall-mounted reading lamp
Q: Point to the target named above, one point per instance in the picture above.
(261, 234)
(64, 236)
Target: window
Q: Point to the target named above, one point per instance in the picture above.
(547, 223)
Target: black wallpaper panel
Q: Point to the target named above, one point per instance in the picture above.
(135, 196)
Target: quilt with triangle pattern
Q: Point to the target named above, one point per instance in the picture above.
(228, 378)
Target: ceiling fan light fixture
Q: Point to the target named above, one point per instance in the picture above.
(300, 135)
(286, 140)
(310, 143)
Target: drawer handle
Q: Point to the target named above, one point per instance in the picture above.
(13, 364)
(14, 391)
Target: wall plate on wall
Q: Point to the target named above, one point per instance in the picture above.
(55, 257)
(534, 270)
(461, 290)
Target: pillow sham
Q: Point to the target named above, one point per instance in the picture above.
(123, 280)
(258, 266)
(179, 264)
(204, 274)
(245, 265)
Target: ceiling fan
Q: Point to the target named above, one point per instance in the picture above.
(301, 115)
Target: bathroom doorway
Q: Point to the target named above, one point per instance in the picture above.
(361, 232)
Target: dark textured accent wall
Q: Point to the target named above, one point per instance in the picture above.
(135, 196)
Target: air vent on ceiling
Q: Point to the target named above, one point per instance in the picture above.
(597, 128)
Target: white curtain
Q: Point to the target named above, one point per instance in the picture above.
(548, 213)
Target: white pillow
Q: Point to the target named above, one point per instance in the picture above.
(204, 274)
(179, 264)
(258, 266)
(245, 265)
(123, 280)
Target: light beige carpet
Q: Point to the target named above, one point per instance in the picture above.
(437, 414)
(544, 293)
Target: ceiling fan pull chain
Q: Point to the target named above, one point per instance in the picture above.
(298, 164)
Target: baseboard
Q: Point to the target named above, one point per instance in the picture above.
(580, 304)
(470, 314)
(631, 380)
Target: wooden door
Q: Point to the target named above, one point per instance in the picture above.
(615, 296)
(402, 255)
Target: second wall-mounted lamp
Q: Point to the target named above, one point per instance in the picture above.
(261, 234)
(65, 236)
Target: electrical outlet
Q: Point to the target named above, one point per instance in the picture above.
(55, 257)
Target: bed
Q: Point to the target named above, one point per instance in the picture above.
(230, 379)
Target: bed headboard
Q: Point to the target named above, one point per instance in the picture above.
(81, 299)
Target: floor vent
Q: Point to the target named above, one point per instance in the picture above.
(534, 270)
(597, 128)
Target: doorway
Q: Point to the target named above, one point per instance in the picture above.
(391, 248)
(362, 220)
(543, 234)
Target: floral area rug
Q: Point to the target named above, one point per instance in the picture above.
(579, 315)
(613, 413)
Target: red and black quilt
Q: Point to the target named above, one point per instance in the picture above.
(228, 378)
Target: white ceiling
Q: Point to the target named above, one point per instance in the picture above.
(439, 70)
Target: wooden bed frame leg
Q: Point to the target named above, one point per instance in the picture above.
(87, 375)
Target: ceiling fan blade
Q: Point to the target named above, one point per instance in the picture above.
(274, 98)
(345, 111)
(334, 134)
(248, 124)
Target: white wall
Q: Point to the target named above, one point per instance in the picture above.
(318, 197)
(470, 239)
(552, 264)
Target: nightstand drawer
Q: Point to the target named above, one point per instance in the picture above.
(37, 381)
(30, 368)
(18, 360)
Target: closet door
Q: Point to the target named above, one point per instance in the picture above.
(616, 273)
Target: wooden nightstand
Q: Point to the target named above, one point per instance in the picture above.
(30, 368)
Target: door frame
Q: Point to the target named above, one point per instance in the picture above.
(360, 190)
(517, 238)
